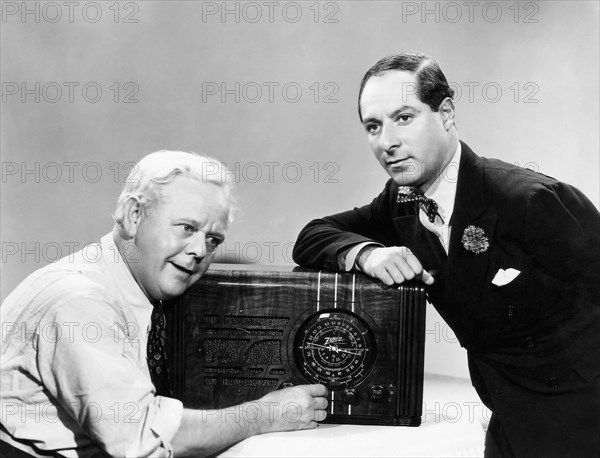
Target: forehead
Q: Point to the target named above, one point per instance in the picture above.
(199, 199)
(391, 89)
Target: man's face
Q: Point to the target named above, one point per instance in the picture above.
(410, 141)
(177, 237)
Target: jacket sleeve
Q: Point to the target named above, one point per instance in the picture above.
(562, 230)
(323, 240)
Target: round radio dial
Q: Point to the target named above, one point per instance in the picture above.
(335, 347)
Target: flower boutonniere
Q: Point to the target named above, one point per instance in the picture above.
(474, 240)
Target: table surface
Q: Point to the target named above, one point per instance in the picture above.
(453, 425)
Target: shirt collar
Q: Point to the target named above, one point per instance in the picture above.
(443, 190)
(128, 287)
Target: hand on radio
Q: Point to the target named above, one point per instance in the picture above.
(203, 432)
(297, 407)
(393, 265)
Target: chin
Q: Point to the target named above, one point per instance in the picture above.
(402, 180)
(173, 291)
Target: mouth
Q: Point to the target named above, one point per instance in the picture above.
(396, 163)
(183, 269)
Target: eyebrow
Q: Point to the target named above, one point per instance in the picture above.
(190, 221)
(392, 115)
(196, 224)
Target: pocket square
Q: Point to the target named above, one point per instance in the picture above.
(504, 277)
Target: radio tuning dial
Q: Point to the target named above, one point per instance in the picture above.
(336, 348)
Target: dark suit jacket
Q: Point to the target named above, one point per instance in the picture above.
(533, 344)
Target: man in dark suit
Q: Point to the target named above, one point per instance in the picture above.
(510, 257)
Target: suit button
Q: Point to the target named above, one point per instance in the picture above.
(553, 383)
(510, 310)
(528, 343)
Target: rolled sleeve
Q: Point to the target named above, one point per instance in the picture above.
(166, 423)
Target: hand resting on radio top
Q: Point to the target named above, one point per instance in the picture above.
(392, 265)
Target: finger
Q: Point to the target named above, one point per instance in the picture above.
(414, 263)
(417, 268)
(320, 415)
(320, 403)
(406, 270)
(427, 278)
(384, 275)
(392, 269)
(400, 271)
(316, 390)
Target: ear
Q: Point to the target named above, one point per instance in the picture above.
(446, 110)
(132, 217)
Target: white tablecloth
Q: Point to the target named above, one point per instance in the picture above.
(454, 422)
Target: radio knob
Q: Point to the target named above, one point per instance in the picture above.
(286, 385)
(350, 396)
(377, 392)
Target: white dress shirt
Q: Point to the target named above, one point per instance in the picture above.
(74, 378)
(443, 191)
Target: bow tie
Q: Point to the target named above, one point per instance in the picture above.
(407, 194)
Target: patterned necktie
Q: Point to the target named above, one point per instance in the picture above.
(157, 352)
(408, 194)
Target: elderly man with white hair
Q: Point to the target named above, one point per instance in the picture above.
(75, 376)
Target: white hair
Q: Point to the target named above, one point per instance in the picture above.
(147, 178)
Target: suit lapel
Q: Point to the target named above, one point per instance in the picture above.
(424, 244)
(466, 270)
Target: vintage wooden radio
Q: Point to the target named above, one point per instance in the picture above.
(238, 334)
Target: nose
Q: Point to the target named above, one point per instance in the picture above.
(389, 141)
(196, 246)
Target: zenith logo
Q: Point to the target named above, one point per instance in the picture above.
(333, 340)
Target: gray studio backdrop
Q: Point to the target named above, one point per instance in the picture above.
(269, 88)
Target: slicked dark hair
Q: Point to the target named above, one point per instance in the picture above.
(432, 86)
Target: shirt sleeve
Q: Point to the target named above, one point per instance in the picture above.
(347, 259)
(88, 356)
